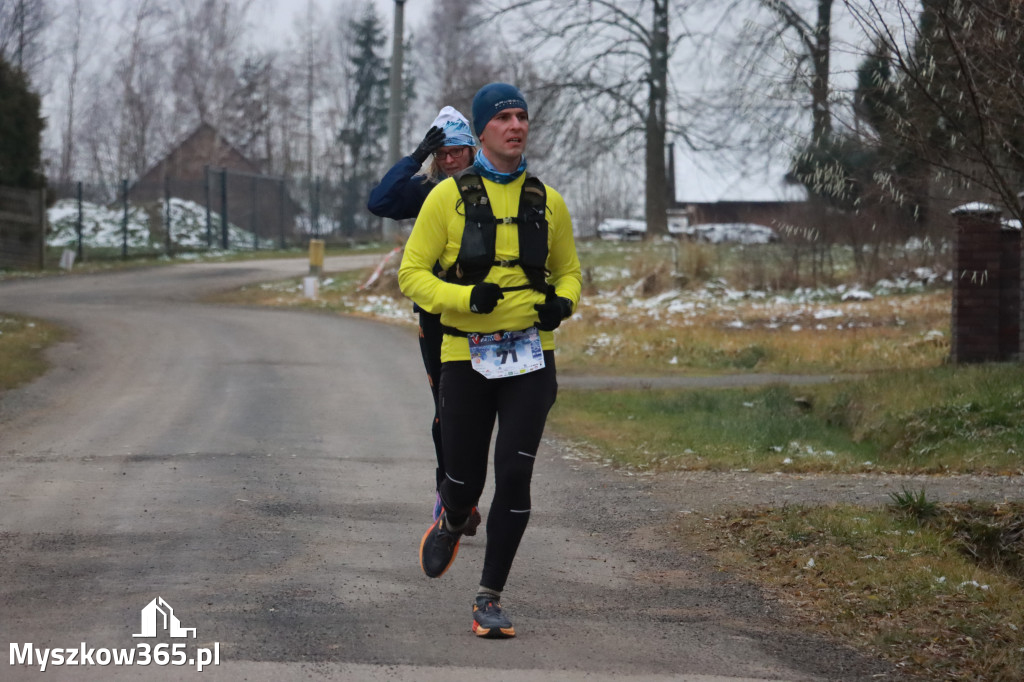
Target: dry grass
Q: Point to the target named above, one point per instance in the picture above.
(23, 342)
(911, 592)
(338, 293)
(657, 308)
(694, 333)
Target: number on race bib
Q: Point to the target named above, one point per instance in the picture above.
(506, 354)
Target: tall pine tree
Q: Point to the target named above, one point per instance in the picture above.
(21, 128)
(952, 109)
(248, 117)
(898, 174)
(365, 136)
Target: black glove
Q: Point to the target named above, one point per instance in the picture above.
(431, 141)
(484, 297)
(551, 313)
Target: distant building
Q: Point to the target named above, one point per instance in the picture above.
(194, 170)
(708, 188)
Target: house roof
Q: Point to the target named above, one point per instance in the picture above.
(203, 146)
(714, 177)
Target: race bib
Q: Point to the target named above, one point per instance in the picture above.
(506, 354)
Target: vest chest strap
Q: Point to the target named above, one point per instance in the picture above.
(477, 248)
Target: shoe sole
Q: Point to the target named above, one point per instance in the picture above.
(493, 633)
(423, 541)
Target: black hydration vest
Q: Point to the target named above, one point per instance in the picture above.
(476, 253)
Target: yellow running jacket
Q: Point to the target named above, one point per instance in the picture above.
(437, 236)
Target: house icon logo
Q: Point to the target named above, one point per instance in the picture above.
(157, 615)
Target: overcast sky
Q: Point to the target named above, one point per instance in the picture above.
(277, 16)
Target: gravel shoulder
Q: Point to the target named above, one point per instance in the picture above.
(705, 492)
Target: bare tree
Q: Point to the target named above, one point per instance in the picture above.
(778, 73)
(206, 40)
(281, 98)
(22, 27)
(455, 55)
(247, 113)
(141, 77)
(788, 104)
(611, 56)
(815, 56)
(307, 68)
(76, 18)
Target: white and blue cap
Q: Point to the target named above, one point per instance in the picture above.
(455, 127)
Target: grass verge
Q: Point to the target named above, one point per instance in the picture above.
(23, 342)
(963, 419)
(110, 260)
(337, 294)
(939, 595)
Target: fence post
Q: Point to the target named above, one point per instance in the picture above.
(209, 220)
(43, 225)
(224, 209)
(252, 219)
(167, 215)
(280, 211)
(124, 221)
(78, 222)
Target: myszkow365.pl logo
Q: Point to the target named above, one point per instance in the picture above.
(157, 617)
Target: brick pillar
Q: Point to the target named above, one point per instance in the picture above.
(1010, 310)
(1020, 277)
(976, 291)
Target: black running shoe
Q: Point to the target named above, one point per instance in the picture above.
(490, 621)
(438, 548)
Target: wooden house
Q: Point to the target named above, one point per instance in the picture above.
(208, 170)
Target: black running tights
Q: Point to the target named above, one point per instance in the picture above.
(469, 404)
(430, 349)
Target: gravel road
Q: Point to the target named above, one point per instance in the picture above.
(268, 474)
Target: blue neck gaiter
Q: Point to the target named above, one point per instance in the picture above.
(484, 166)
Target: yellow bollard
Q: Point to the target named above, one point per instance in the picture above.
(316, 257)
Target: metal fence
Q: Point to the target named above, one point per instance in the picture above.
(337, 209)
(22, 226)
(223, 209)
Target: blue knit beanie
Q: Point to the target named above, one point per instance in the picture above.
(491, 99)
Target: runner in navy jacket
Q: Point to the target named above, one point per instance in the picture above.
(399, 196)
(401, 191)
